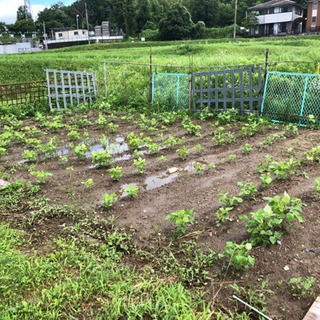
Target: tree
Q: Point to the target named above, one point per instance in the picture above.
(21, 14)
(24, 26)
(143, 14)
(123, 12)
(177, 24)
(206, 11)
(251, 22)
(3, 26)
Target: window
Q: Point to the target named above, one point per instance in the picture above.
(283, 27)
(84, 32)
(314, 20)
(315, 6)
(76, 33)
(284, 9)
(60, 35)
(271, 10)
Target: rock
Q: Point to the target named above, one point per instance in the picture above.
(3, 184)
(172, 170)
(286, 268)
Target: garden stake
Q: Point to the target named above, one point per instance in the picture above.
(254, 309)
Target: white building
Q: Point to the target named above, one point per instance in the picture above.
(279, 17)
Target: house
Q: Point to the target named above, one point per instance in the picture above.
(70, 34)
(313, 16)
(279, 17)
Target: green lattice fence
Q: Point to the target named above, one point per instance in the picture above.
(291, 97)
(170, 90)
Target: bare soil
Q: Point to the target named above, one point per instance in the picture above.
(173, 185)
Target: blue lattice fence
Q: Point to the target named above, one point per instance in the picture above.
(291, 97)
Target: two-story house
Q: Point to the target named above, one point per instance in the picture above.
(279, 17)
(313, 16)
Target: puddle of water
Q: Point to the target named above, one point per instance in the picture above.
(121, 192)
(154, 182)
(115, 146)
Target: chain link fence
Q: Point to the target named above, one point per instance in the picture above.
(291, 97)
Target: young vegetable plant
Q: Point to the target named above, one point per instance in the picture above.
(115, 173)
(247, 189)
(132, 191)
(183, 153)
(231, 201)
(29, 155)
(112, 127)
(74, 135)
(88, 183)
(223, 215)
(299, 288)
(41, 175)
(266, 225)
(139, 164)
(181, 218)
(102, 158)
(109, 199)
(246, 148)
(80, 151)
(239, 255)
(101, 121)
(198, 148)
(199, 167)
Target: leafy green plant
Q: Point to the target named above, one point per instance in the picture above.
(181, 218)
(102, 158)
(198, 148)
(74, 135)
(139, 164)
(232, 156)
(109, 199)
(41, 175)
(300, 288)
(101, 121)
(222, 215)
(81, 150)
(199, 167)
(88, 183)
(238, 255)
(247, 148)
(267, 224)
(163, 158)
(229, 201)
(247, 189)
(153, 147)
(132, 191)
(112, 127)
(183, 153)
(266, 179)
(115, 173)
(29, 155)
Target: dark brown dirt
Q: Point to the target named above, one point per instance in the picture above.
(162, 193)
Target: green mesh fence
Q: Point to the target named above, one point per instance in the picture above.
(291, 97)
(170, 90)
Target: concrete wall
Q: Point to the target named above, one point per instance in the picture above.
(15, 48)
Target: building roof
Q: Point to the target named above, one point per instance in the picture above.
(276, 3)
(62, 29)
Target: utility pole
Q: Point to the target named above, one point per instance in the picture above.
(235, 19)
(45, 35)
(85, 4)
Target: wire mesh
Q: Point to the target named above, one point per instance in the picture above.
(171, 90)
(291, 97)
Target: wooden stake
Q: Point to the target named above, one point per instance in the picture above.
(105, 79)
(190, 91)
(314, 311)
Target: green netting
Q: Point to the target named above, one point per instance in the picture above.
(291, 97)
(170, 90)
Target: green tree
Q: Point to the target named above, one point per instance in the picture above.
(3, 26)
(251, 22)
(21, 14)
(123, 12)
(206, 11)
(143, 14)
(24, 26)
(177, 24)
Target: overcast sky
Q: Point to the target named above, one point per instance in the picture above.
(8, 9)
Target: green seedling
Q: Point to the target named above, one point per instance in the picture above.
(183, 153)
(101, 121)
(41, 175)
(73, 135)
(181, 218)
(247, 189)
(300, 288)
(112, 127)
(29, 155)
(102, 158)
(139, 164)
(198, 148)
(199, 167)
(88, 183)
(109, 199)
(163, 158)
(132, 191)
(115, 173)
(222, 215)
(81, 150)
(247, 148)
(232, 156)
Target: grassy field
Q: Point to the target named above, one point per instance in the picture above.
(129, 84)
(108, 212)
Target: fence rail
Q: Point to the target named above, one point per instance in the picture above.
(21, 93)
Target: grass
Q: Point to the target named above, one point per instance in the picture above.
(77, 279)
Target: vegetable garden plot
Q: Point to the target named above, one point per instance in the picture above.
(291, 97)
(70, 87)
(226, 89)
(171, 89)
